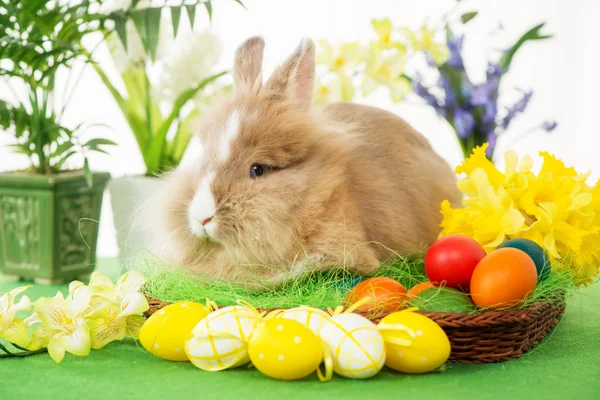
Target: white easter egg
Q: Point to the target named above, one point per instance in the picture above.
(220, 340)
(313, 318)
(356, 346)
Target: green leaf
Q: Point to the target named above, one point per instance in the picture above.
(191, 12)
(466, 17)
(175, 17)
(240, 3)
(208, 6)
(89, 178)
(62, 149)
(99, 142)
(63, 159)
(532, 34)
(147, 22)
(121, 28)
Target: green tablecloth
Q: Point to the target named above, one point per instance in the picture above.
(564, 366)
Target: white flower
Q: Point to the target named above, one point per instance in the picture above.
(123, 302)
(187, 62)
(64, 327)
(11, 328)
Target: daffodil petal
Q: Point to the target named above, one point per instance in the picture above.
(78, 342)
(56, 351)
(74, 285)
(37, 339)
(134, 325)
(130, 282)
(23, 304)
(17, 332)
(105, 330)
(34, 318)
(134, 303)
(7, 299)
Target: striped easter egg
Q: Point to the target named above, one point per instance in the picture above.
(356, 346)
(313, 318)
(220, 340)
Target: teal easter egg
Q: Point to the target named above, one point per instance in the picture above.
(442, 299)
(533, 250)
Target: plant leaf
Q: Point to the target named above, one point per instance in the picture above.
(147, 22)
(466, 17)
(240, 3)
(191, 12)
(175, 17)
(121, 28)
(99, 142)
(532, 34)
(89, 178)
(208, 6)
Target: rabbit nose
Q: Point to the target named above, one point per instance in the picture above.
(207, 220)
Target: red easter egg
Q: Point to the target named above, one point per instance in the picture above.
(385, 295)
(503, 279)
(451, 261)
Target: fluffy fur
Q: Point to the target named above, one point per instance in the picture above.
(348, 185)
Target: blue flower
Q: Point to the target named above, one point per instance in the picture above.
(491, 139)
(493, 70)
(425, 94)
(484, 93)
(463, 123)
(491, 109)
(449, 95)
(549, 126)
(516, 109)
(455, 47)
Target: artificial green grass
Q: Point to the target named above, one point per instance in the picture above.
(321, 289)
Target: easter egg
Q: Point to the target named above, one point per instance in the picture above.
(385, 295)
(451, 261)
(503, 279)
(220, 340)
(165, 332)
(442, 299)
(418, 288)
(429, 350)
(533, 250)
(313, 318)
(285, 349)
(355, 344)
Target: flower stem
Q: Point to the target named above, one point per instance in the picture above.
(25, 353)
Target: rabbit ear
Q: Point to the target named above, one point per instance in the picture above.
(295, 77)
(248, 65)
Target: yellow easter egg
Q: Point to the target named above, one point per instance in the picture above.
(430, 349)
(165, 332)
(285, 349)
(313, 318)
(355, 344)
(220, 340)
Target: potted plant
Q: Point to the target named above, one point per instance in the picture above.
(41, 208)
(166, 79)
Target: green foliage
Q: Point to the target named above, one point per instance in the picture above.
(530, 35)
(466, 17)
(38, 39)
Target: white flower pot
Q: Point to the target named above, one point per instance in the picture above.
(127, 197)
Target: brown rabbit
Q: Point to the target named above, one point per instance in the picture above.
(282, 186)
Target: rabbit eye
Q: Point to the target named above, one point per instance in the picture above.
(257, 170)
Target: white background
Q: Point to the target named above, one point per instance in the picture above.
(563, 72)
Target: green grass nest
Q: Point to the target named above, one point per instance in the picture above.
(320, 289)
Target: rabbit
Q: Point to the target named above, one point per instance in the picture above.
(283, 188)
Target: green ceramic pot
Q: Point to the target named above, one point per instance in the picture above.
(47, 228)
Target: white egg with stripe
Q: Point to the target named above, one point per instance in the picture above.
(356, 346)
(313, 318)
(220, 340)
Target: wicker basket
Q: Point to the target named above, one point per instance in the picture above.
(486, 337)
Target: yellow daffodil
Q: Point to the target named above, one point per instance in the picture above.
(425, 41)
(123, 304)
(64, 328)
(336, 88)
(385, 70)
(383, 28)
(14, 329)
(555, 208)
(342, 60)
